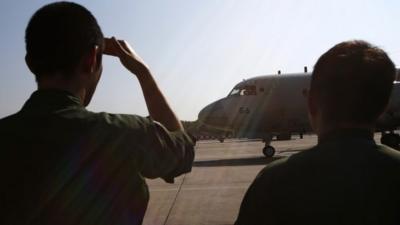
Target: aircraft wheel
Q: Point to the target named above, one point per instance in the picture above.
(221, 140)
(391, 140)
(269, 151)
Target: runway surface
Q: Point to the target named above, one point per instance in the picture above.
(211, 194)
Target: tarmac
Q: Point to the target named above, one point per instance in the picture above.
(211, 194)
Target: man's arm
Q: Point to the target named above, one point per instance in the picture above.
(157, 105)
(162, 153)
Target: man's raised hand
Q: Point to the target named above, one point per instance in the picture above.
(128, 57)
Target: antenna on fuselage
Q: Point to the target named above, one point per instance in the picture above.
(305, 69)
(279, 72)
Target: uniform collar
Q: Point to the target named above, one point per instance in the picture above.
(51, 99)
(346, 134)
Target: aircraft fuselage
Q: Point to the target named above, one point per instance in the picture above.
(275, 104)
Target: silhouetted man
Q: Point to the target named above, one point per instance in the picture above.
(346, 178)
(62, 164)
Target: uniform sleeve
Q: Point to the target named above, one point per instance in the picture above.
(157, 151)
(166, 154)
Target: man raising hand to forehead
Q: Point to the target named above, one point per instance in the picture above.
(156, 103)
(62, 164)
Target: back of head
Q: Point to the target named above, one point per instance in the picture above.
(352, 82)
(58, 36)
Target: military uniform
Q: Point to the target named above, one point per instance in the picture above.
(345, 179)
(62, 164)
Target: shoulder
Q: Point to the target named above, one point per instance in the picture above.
(124, 122)
(288, 169)
(145, 127)
(9, 121)
(292, 162)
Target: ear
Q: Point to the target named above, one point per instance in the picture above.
(313, 115)
(312, 105)
(29, 63)
(90, 63)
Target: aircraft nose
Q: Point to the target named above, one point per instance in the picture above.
(211, 113)
(206, 112)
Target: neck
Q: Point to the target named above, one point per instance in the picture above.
(61, 83)
(325, 129)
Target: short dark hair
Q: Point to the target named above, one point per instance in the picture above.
(352, 82)
(57, 37)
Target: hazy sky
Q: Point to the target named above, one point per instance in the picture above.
(199, 49)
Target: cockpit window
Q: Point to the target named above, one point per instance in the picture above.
(244, 90)
(235, 91)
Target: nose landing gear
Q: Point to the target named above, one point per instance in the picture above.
(268, 150)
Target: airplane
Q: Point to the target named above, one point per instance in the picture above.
(276, 105)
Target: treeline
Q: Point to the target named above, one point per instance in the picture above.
(198, 130)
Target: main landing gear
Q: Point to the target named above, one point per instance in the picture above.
(391, 139)
(268, 150)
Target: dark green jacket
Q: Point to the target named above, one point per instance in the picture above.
(62, 164)
(345, 179)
